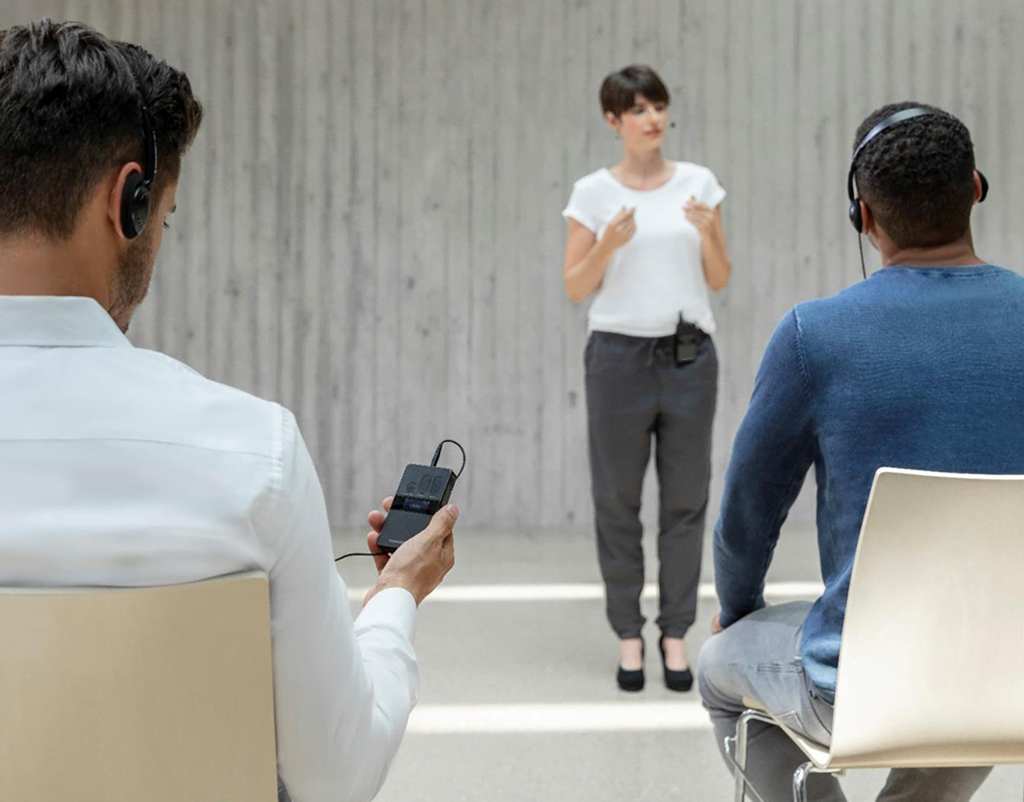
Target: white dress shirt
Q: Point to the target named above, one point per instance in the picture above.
(123, 467)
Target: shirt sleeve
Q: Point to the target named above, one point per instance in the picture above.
(712, 192)
(343, 690)
(774, 448)
(581, 207)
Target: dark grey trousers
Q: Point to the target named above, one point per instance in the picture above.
(636, 391)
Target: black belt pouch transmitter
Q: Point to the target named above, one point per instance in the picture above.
(688, 338)
(422, 492)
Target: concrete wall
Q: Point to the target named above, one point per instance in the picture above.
(368, 228)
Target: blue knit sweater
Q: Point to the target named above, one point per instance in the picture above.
(917, 367)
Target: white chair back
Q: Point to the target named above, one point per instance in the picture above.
(931, 671)
(161, 694)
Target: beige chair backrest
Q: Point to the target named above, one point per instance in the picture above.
(931, 671)
(160, 694)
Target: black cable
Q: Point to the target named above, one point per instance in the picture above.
(437, 456)
(860, 244)
(361, 554)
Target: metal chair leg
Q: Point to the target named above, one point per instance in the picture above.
(800, 782)
(801, 775)
(730, 755)
(738, 754)
(742, 735)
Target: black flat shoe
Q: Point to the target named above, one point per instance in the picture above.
(681, 681)
(632, 681)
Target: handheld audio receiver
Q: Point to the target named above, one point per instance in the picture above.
(423, 491)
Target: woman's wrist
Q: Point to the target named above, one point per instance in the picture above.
(603, 247)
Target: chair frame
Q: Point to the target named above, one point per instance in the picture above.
(736, 746)
(736, 751)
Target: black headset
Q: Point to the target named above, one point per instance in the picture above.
(888, 122)
(137, 197)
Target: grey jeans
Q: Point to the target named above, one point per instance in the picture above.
(758, 658)
(636, 392)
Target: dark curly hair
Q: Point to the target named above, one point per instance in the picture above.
(917, 177)
(70, 111)
(619, 90)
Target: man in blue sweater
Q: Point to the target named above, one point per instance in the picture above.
(920, 366)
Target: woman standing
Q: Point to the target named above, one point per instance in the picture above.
(645, 237)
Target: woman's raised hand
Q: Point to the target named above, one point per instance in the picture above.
(621, 229)
(700, 215)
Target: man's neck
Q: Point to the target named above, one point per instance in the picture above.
(32, 266)
(954, 254)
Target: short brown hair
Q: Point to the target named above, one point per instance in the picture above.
(619, 90)
(71, 110)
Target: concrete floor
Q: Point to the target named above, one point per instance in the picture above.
(523, 653)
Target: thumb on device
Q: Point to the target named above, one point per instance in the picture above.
(444, 521)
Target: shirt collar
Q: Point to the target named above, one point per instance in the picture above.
(55, 321)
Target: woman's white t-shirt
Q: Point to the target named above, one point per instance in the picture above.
(658, 274)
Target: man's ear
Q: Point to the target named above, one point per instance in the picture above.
(116, 193)
(871, 228)
(867, 219)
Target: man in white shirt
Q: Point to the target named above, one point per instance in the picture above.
(123, 467)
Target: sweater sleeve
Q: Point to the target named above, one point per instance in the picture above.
(773, 450)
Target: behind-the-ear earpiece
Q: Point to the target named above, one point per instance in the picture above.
(135, 205)
(984, 186)
(137, 195)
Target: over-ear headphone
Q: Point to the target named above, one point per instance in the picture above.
(894, 119)
(137, 197)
